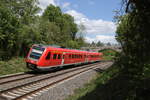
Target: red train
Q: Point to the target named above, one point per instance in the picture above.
(43, 58)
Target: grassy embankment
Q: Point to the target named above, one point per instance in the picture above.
(100, 79)
(15, 65)
(113, 85)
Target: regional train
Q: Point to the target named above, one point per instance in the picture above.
(44, 57)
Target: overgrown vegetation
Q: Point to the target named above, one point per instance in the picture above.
(108, 54)
(15, 65)
(134, 36)
(21, 26)
(111, 85)
(95, 90)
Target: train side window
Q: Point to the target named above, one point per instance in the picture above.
(54, 56)
(59, 56)
(69, 56)
(48, 56)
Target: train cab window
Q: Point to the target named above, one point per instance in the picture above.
(59, 56)
(48, 56)
(54, 56)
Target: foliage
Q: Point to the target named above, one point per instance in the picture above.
(15, 65)
(134, 37)
(108, 54)
(16, 18)
(133, 34)
(99, 43)
(64, 21)
(21, 26)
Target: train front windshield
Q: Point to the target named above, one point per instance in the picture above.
(36, 52)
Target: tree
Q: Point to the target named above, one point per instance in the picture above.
(15, 17)
(132, 33)
(8, 28)
(49, 32)
(93, 44)
(72, 25)
(52, 13)
(134, 37)
(108, 44)
(21, 27)
(64, 23)
(99, 43)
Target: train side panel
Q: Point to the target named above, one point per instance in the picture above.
(43, 57)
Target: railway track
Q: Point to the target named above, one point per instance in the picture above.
(14, 78)
(30, 90)
(23, 78)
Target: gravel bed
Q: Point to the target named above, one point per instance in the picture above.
(62, 90)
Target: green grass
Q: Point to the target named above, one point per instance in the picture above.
(15, 65)
(100, 79)
(114, 84)
(108, 54)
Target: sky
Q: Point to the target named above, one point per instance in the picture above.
(95, 15)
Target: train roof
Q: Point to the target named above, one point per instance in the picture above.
(54, 47)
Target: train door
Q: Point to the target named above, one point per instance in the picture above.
(63, 58)
(59, 58)
(86, 58)
(54, 59)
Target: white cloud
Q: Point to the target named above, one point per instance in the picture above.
(106, 39)
(102, 38)
(100, 30)
(93, 26)
(78, 16)
(66, 5)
